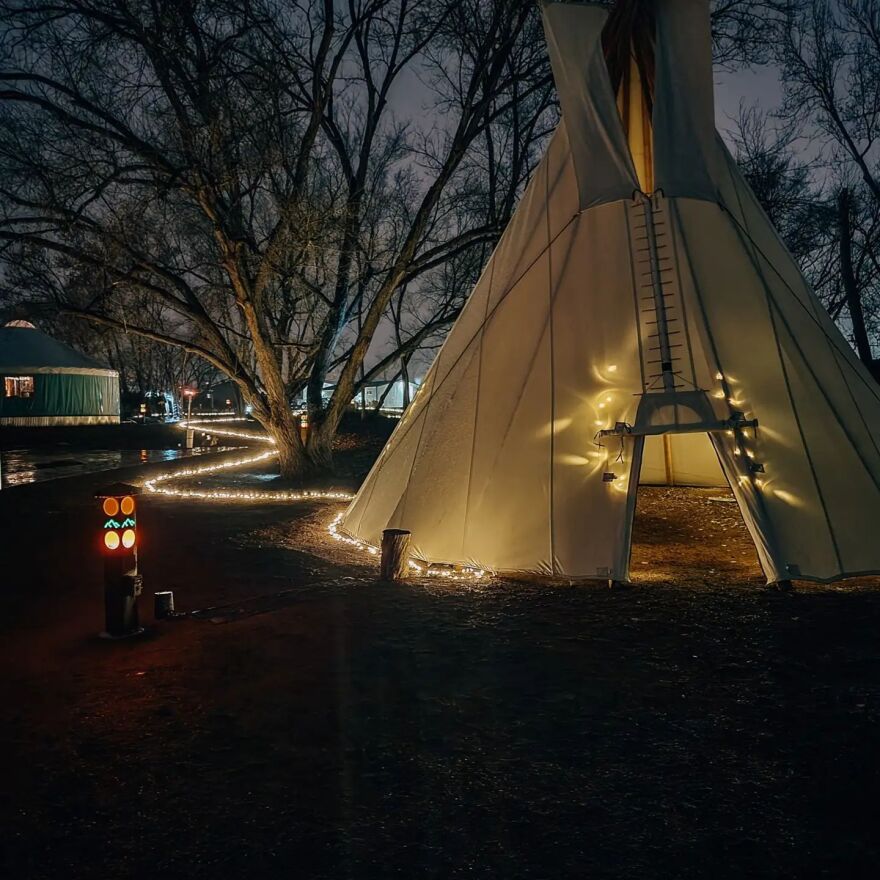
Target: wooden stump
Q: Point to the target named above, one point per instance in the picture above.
(395, 555)
(163, 604)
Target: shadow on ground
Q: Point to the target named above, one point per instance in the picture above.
(693, 724)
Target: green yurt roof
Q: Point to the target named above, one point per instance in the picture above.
(24, 349)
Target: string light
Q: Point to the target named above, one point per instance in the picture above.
(225, 414)
(210, 429)
(154, 486)
(446, 572)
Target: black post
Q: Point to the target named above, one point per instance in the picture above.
(122, 586)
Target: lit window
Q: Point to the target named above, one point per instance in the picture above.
(19, 386)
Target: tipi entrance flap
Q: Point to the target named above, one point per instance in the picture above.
(685, 155)
(602, 159)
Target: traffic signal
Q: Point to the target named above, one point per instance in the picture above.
(119, 522)
(119, 538)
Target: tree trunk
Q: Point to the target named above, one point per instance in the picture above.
(293, 462)
(404, 374)
(850, 285)
(319, 447)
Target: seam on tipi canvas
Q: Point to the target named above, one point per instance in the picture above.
(729, 161)
(515, 409)
(814, 304)
(761, 507)
(482, 335)
(552, 355)
(852, 397)
(868, 383)
(743, 231)
(754, 251)
(401, 505)
(682, 305)
(470, 342)
(528, 372)
(746, 241)
(386, 454)
(828, 400)
(703, 313)
(625, 554)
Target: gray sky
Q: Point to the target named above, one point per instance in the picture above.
(752, 85)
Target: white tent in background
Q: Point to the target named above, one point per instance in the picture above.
(639, 293)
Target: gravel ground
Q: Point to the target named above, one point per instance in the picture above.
(314, 723)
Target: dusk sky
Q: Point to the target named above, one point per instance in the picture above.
(750, 85)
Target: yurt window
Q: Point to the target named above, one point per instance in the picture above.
(19, 386)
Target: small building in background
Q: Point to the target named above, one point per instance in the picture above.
(394, 396)
(390, 393)
(45, 382)
(150, 407)
(220, 398)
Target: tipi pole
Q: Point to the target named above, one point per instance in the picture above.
(667, 460)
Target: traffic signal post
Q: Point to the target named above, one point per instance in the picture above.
(119, 540)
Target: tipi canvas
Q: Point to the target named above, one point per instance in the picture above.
(639, 300)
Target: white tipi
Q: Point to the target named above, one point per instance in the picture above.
(639, 293)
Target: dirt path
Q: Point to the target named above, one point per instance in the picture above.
(694, 724)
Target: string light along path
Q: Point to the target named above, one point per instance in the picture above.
(158, 485)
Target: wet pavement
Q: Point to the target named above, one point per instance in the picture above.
(21, 466)
(325, 725)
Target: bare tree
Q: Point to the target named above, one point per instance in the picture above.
(245, 165)
(827, 216)
(830, 59)
(274, 173)
(829, 54)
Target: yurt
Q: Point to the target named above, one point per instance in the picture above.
(44, 382)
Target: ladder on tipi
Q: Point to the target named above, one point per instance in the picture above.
(661, 320)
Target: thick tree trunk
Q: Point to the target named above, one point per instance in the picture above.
(293, 463)
(319, 447)
(850, 284)
(404, 374)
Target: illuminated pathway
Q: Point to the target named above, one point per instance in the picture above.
(158, 485)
